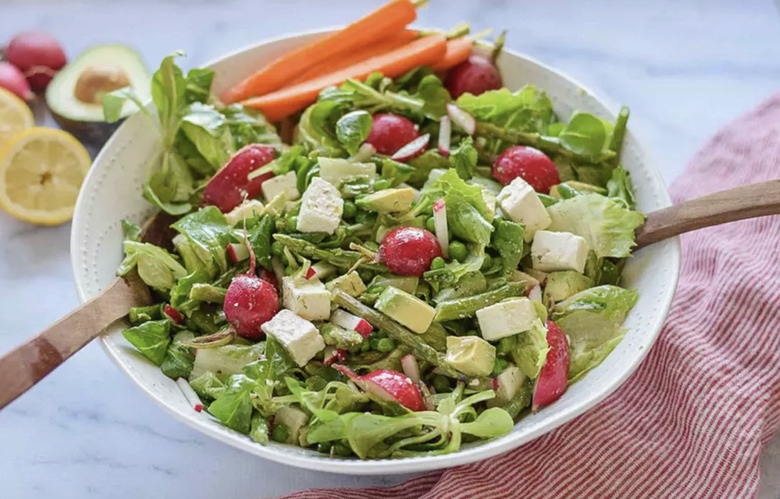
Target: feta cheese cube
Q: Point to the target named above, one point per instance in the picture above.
(281, 184)
(297, 336)
(506, 318)
(307, 298)
(337, 171)
(519, 202)
(552, 251)
(247, 209)
(321, 208)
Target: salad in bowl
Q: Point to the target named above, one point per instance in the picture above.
(379, 251)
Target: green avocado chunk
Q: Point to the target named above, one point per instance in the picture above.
(561, 285)
(406, 309)
(388, 200)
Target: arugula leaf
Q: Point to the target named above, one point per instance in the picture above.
(207, 129)
(316, 129)
(151, 339)
(352, 129)
(584, 135)
(207, 229)
(168, 89)
(306, 399)
(396, 172)
(198, 85)
(508, 241)
(464, 158)
(423, 164)
(260, 237)
(233, 406)
(181, 291)
(156, 267)
(434, 96)
(248, 126)
(114, 103)
(208, 386)
(621, 187)
(179, 359)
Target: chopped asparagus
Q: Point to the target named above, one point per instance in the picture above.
(461, 308)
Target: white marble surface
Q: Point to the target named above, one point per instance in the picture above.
(685, 68)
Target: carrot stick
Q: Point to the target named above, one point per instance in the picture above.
(458, 50)
(341, 61)
(422, 52)
(388, 19)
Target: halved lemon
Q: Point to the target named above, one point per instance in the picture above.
(15, 116)
(41, 171)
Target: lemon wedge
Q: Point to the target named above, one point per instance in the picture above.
(41, 171)
(15, 116)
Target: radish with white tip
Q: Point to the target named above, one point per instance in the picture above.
(346, 320)
(462, 119)
(237, 252)
(445, 136)
(412, 149)
(440, 226)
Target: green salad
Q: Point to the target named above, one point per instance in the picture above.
(416, 267)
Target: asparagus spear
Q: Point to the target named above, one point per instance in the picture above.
(394, 330)
(619, 132)
(460, 308)
(521, 400)
(340, 337)
(343, 259)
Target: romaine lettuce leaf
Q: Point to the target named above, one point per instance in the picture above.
(468, 215)
(179, 358)
(156, 267)
(208, 230)
(151, 339)
(464, 158)
(531, 349)
(605, 223)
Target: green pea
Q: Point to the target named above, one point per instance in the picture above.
(350, 210)
(280, 433)
(324, 447)
(385, 345)
(380, 184)
(487, 262)
(380, 334)
(277, 248)
(365, 346)
(430, 225)
(438, 263)
(458, 251)
(441, 383)
(341, 449)
(505, 345)
(292, 223)
(498, 366)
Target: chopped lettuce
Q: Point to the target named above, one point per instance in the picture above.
(530, 351)
(464, 158)
(233, 406)
(508, 241)
(156, 267)
(179, 358)
(207, 230)
(151, 339)
(468, 215)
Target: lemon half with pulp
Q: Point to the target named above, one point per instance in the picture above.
(15, 116)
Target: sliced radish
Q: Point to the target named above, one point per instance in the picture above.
(494, 384)
(535, 294)
(387, 385)
(412, 149)
(440, 226)
(445, 134)
(554, 375)
(237, 252)
(173, 314)
(410, 367)
(333, 354)
(346, 320)
(320, 270)
(462, 119)
(189, 394)
(310, 272)
(364, 153)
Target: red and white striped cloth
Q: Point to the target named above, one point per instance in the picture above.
(695, 417)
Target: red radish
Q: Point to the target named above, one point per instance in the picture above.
(320, 270)
(269, 277)
(530, 164)
(38, 55)
(445, 135)
(535, 293)
(346, 320)
(554, 375)
(173, 314)
(412, 149)
(409, 250)
(387, 385)
(463, 119)
(333, 354)
(189, 394)
(475, 75)
(494, 384)
(364, 153)
(229, 187)
(440, 226)
(310, 272)
(410, 367)
(13, 80)
(389, 132)
(237, 252)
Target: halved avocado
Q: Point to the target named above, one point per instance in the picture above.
(75, 95)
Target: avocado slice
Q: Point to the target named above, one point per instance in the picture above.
(75, 95)
(388, 200)
(563, 284)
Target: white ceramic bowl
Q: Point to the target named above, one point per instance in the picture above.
(112, 191)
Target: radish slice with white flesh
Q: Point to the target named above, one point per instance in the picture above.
(440, 226)
(410, 367)
(173, 314)
(554, 376)
(364, 153)
(310, 272)
(189, 394)
(445, 134)
(333, 354)
(386, 385)
(237, 252)
(462, 119)
(321, 271)
(535, 294)
(346, 320)
(412, 149)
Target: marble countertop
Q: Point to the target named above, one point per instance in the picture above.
(684, 68)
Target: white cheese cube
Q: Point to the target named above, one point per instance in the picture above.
(337, 171)
(506, 318)
(307, 298)
(433, 176)
(247, 209)
(297, 336)
(553, 251)
(281, 184)
(321, 208)
(519, 202)
(509, 382)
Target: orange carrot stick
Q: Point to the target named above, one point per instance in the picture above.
(388, 19)
(341, 61)
(458, 50)
(422, 52)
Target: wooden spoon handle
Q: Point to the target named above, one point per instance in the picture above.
(24, 366)
(748, 201)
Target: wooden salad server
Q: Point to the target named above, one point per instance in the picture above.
(24, 366)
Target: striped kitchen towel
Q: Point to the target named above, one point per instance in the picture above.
(695, 417)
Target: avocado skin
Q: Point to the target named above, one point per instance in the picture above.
(93, 134)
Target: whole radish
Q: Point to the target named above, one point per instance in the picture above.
(13, 80)
(409, 250)
(229, 187)
(530, 164)
(475, 75)
(554, 376)
(390, 132)
(38, 55)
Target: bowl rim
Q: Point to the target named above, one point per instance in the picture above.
(484, 450)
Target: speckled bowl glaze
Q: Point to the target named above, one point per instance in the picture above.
(112, 191)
